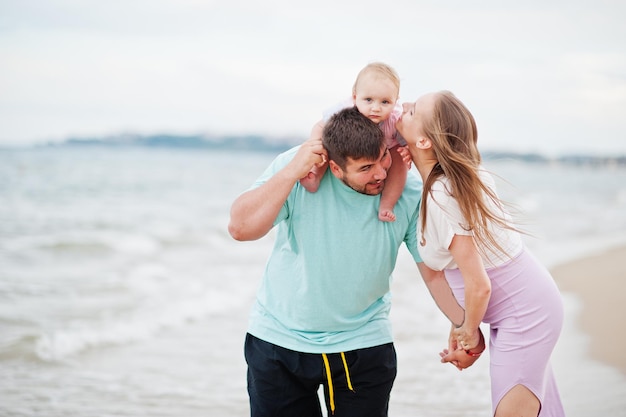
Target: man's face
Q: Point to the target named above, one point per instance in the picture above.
(363, 175)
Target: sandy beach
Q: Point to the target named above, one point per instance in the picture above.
(599, 281)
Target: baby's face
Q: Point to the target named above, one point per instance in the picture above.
(375, 97)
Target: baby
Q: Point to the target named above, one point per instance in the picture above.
(375, 94)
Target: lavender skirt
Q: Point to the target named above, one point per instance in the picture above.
(525, 314)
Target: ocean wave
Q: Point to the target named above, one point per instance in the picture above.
(63, 343)
(88, 242)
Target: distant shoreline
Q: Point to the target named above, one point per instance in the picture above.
(266, 144)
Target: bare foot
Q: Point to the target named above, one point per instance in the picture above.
(386, 215)
(311, 182)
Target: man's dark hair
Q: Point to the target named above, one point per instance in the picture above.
(349, 134)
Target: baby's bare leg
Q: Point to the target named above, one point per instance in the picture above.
(312, 180)
(394, 185)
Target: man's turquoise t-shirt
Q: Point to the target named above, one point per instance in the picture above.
(326, 285)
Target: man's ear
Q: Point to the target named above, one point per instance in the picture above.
(335, 169)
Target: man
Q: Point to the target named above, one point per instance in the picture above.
(321, 313)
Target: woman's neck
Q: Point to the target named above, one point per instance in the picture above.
(424, 162)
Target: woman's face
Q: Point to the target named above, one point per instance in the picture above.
(411, 124)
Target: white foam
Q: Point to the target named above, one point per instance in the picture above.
(162, 313)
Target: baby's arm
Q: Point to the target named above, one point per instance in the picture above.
(396, 179)
(318, 128)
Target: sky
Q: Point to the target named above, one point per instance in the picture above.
(539, 75)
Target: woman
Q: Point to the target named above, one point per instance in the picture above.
(465, 232)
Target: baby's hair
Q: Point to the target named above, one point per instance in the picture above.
(382, 70)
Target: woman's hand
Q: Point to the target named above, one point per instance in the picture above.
(466, 338)
(459, 357)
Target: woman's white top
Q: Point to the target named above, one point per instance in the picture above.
(444, 220)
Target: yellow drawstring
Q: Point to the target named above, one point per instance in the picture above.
(345, 366)
(331, 392)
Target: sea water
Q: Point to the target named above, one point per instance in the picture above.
(122, 294)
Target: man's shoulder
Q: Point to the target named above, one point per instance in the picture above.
(278, 163)
(289, 153)
(412, 193)
(413, 183)
(284, 158)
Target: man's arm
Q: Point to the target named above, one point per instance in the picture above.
(253, 213)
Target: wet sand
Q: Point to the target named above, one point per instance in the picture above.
(600, 282)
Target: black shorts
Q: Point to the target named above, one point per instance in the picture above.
(283, 382)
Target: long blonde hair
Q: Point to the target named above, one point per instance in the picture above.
(454, 136)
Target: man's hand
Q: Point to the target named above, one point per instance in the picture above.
(310, 154)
